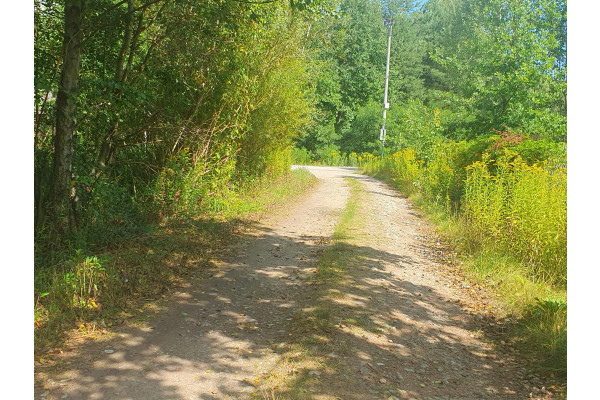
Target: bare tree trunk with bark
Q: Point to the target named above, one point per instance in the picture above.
(62, 190)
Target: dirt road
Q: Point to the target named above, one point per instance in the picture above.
(261, 326)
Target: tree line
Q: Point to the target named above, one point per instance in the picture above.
(459, 70)
(133, 95)
(146, 107)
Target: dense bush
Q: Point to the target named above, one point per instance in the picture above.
(522, 209)
(171, 119)
(301, 156)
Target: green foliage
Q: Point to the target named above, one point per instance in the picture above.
(416, 126)
(442, 181)
(363, 134)
(183, 106)
(82, 289)
(537, 212)
(301, 156)
(506, 202)
(405, 169)
(75, 289)
(85, 282)
(458, 70)
(547, 125)
(545, 323)
(505, 60)
(332, 157)
(345, 59)
(178, 102)
(349, 56)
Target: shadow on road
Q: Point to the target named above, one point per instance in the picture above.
(370, 331)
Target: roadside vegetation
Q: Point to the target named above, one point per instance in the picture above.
(92, 288)
(476, 136)
(159, 128)
(501, 202)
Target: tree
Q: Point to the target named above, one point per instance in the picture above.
(346, 61)
(62, 194)
(215, 88)
(501, 62)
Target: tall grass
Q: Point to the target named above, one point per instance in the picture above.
(521, 209)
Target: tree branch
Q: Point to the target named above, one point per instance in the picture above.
(256, 2)
(101, 26)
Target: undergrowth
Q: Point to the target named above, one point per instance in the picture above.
(90, 288)
(329, 157)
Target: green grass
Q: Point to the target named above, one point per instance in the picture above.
(88, 291)
(313, 335)
(540, 330)
(259, 198)
(335, 258)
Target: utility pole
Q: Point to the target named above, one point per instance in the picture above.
(388, 23)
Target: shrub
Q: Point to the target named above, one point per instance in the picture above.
(508, 201)
(523, 209)
(404, 169)
(301, 156)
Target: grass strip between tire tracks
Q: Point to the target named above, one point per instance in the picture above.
(314, 328)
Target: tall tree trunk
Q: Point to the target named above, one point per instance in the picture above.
(107, 147)
(61, 187)
(125, 45)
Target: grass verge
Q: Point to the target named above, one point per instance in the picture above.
(312, 338)
(95, 289)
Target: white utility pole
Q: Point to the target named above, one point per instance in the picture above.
(388, 23)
